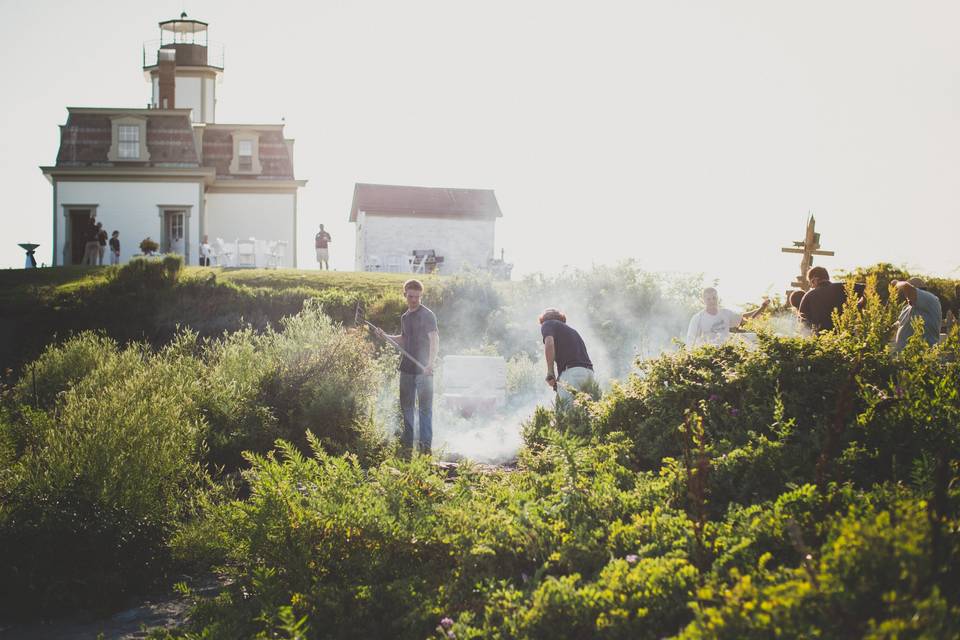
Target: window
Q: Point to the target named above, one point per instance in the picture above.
(245, 153)
(128, 142)
(128, 138)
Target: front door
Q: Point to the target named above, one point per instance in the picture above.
(176, 242)
(80, 228)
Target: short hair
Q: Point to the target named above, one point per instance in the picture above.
(416, 285)
(795, 298)
(552, 314)
(917, 282)
(115, 232)
(817, 272)
(704, 292)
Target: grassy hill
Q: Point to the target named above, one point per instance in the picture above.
(41, 305)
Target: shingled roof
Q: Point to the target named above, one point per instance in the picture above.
(274, 155)
(424, 201)
(85, 139)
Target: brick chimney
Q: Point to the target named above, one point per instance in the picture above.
(167, 62)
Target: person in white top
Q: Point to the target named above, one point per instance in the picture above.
(205, 252)
(713, 324)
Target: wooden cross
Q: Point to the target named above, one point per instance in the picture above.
(809, 247)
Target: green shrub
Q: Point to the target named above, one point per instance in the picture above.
(309, 375)
(86, 509)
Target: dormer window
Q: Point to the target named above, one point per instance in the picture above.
(245, 154)
(128, 140)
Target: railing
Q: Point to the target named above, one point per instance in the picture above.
(209, 55)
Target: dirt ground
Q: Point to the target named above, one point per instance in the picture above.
(157, 611)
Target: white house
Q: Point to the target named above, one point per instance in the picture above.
(402, 228)
(170, 171)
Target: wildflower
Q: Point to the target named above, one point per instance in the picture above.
(734, 411)
(525, 578)
(898, 391)
(632, 558)
(713, 397)
(446, 623)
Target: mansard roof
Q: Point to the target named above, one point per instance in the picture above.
(86, 137)
(434, 202)
(273, 150)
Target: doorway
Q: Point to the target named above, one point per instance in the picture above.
(81, 227)
(175, 232)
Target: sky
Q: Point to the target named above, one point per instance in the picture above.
(690, 136)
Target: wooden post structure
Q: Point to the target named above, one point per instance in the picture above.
(809, 247)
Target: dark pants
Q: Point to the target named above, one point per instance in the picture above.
(416, 388)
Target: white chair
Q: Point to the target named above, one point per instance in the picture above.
(247, 253)
(373, 264)
(393, 264)
(221, 254)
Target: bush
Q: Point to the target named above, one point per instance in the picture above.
(309, 375)
(86, 509)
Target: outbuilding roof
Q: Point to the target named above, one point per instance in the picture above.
(424, 201)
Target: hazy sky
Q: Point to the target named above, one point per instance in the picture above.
(693, 136)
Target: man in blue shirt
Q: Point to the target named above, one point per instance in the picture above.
(920, 304)
(568, 365)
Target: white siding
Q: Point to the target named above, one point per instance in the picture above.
(463, 244)
(209, 115)
(188, 96)
(264, 216)
(131, 209)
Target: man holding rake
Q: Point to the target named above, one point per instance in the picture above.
(419, 343)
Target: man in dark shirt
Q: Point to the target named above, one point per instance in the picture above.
(817, 305)
(322, 242)
(418, 337)
(568, 364)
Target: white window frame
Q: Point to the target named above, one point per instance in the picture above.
(114, 155)
(253, 137)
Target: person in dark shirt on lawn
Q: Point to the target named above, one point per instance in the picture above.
(420, 338)
(817, 305)
(568, 364)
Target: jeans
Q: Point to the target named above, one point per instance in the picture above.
(574, 377)
(419, 388)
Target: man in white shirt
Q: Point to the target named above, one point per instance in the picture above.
(713, 324)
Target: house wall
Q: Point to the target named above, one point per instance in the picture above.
(132, 209)
(264, 216)
(462, 243)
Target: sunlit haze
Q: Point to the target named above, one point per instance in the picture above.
(691, 136)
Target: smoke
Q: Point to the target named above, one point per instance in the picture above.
(621, 312)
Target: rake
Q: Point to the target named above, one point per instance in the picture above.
(359, 318)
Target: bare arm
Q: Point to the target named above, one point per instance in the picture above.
(434, 337)
(753, 314)
(549, 354)
(396, 338)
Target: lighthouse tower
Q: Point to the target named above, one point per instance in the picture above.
(183, 68)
